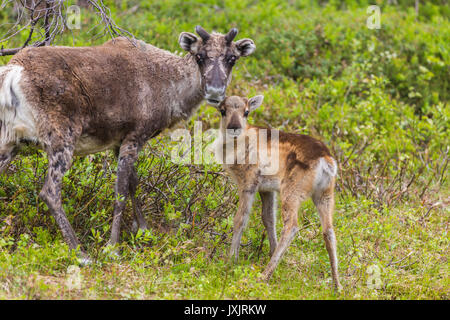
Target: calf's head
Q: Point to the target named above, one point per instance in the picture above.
(216, 55)
(235, 111)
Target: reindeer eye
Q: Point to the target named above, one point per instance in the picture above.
(223, 112)
(232, 59)
(246, 113)
(199, 58)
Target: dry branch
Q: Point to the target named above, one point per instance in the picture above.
(47, 19)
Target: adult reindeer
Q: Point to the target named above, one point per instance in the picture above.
(78, 101)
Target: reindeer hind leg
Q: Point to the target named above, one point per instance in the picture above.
(6, 156)
(269, 203)
(8, 148)
(58, 163)
(290, 203)
(324, 201)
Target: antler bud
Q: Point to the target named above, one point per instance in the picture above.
(202, 33)
(230, 35)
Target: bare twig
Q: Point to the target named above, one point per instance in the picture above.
(398, 261)
(429, 210)
(47, 19)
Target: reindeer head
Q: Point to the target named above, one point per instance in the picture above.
(235, 111)
(216, 55)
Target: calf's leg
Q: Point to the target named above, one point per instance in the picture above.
(289, 208)
(324, 201)
(240, 220)
(269, 205)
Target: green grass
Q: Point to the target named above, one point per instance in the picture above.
(412, 261)
(378, 98)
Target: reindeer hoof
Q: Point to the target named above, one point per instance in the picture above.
(83, 259)
(134, 227)
(232, 259)
(83, 262)
(338, 288)
(265, 277)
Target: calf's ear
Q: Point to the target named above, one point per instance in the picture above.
(189, 42)
(255, 102)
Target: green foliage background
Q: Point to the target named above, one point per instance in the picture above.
(378, 98)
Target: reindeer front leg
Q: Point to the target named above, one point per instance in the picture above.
(246, 198)
(128, 155)
(139, 219)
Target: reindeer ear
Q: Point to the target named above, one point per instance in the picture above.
(255, 102)
(245, 47)
(189, 42)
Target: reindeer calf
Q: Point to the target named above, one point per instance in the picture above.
(301, 166)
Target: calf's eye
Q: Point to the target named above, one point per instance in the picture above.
(246, 113)
(223, 112)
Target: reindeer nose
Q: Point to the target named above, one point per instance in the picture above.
(214, 95)
(234, 131)
(215, 91)
(233, 127)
